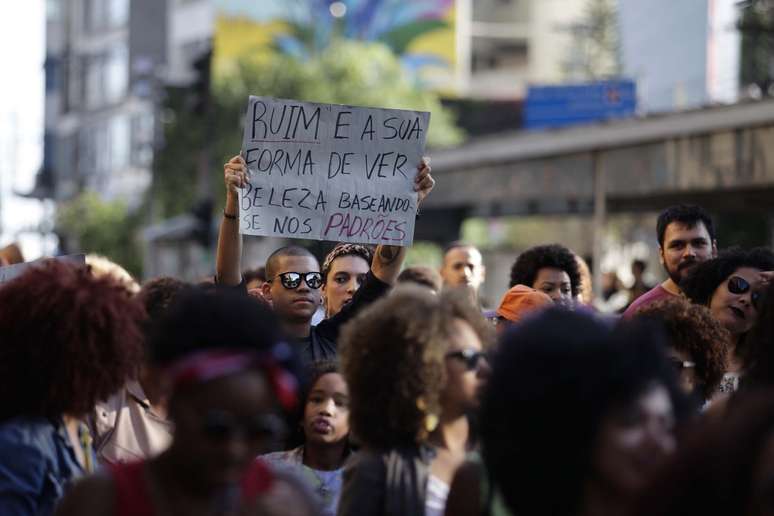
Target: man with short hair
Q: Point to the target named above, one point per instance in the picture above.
(293, 277)
(463, 266)
(686, 237)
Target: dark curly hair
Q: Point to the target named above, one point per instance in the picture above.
(692, 329)
(687, 214)
(364, 252)
(157, 294)
(392, 356)
(713, 472)
(707, 276)
(202, 319)
(554, 380)
(69, 339)
(556, 256)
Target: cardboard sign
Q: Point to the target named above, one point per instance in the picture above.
(331, 172)
(12, 271)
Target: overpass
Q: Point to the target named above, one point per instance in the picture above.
(720, 157)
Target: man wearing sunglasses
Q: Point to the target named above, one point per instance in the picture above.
(686, 238)
(293, 278)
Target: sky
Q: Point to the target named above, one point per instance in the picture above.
(22, 50)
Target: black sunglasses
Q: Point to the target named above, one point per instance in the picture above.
(471, 357)
(222, 426)
(737, 285)
(679, 365)
(291, 280)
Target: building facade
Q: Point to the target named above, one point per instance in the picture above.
(685, 57)
(107, 62)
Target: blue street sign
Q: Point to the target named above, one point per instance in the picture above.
(561, 106)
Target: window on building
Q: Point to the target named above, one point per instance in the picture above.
(104, 148)
(106, 77)
(142, 140)
(492, 54)
(53, 10)
(104, 15)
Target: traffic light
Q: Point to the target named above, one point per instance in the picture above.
(202, 212)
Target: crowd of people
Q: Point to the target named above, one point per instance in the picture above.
(360, 387)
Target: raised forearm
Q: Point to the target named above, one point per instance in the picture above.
(228, 263)
(387, 262)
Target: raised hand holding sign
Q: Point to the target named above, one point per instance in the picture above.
(331, 172)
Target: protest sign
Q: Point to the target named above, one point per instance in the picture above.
(10, 272)
(331, 172)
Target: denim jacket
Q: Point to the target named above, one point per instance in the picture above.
(36, 465)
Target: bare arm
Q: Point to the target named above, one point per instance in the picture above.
(228, 263)
(388, 259)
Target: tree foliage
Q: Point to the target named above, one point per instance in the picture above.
(756, 24)
(347, 72)
(595, 50)
(106, 228)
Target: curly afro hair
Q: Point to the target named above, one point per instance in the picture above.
(554, 380)
(556, 256)
(201, 319)
(692, 329)
(364, 252)
(392, 357)
(707, 276)
(69, 339)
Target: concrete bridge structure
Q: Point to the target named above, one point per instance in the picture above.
(719, 157)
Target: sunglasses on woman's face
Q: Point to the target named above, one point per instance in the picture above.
(740, 286)
(471, 357)
(220, 426)
(679, 365)
(291, 280)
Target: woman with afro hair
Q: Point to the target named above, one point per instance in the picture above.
(414, 363)
(697, 344)
(69, 339)
(731, 286)
(551, 269)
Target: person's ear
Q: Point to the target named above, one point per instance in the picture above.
(714, 248)
(266, 291)
(661, 255)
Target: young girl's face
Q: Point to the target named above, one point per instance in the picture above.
(326, 414)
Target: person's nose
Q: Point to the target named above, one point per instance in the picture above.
(328, 408)
(690, 251)
(352, 286)
(659, 438)
(484, 370)
(236, 447)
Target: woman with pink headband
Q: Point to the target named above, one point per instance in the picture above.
(230, 384)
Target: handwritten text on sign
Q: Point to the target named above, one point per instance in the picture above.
(331, 172)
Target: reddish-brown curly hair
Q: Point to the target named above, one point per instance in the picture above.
(392, 356)
(692, 330)
(69, 339)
